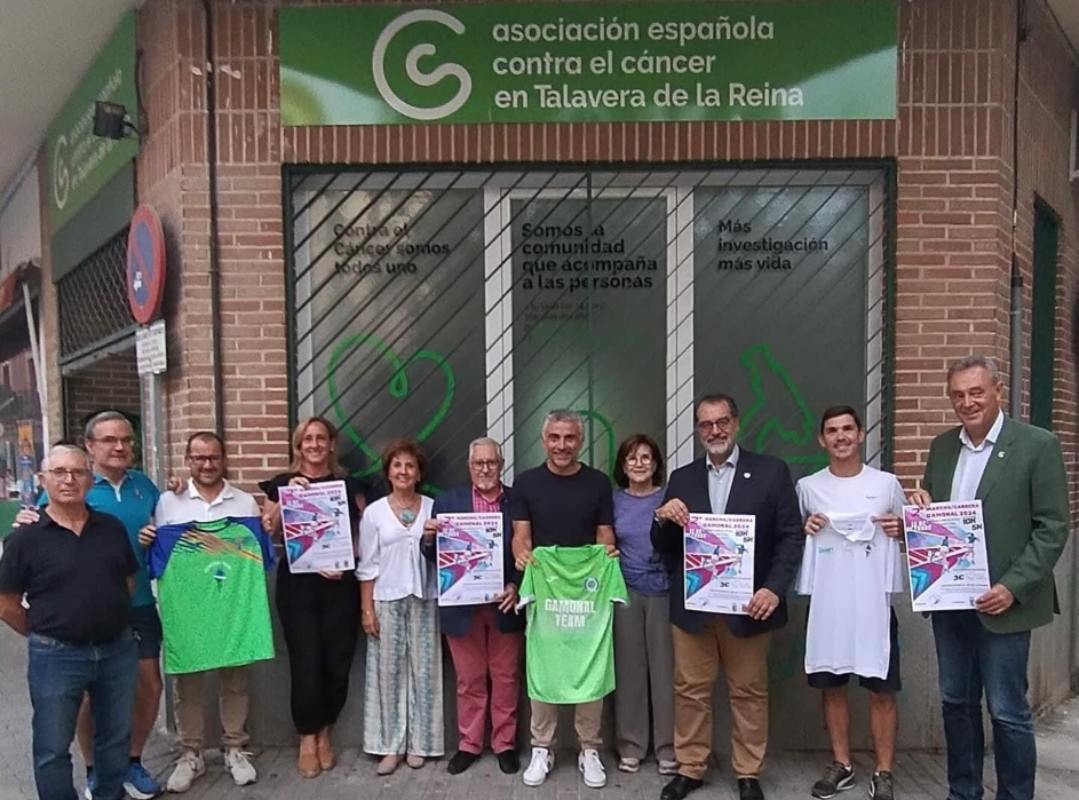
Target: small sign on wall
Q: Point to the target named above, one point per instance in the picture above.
(150, 354)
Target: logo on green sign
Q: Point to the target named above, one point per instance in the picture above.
(412, 68)
(61, 174)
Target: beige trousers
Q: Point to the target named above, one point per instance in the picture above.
(232, 705)
(587, 718)
(697, 658)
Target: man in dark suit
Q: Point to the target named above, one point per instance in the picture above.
(1017, 471)
(485, 641)
(728, 480)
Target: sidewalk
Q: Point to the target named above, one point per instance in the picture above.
(919, 776)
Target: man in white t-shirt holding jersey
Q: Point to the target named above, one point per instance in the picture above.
(852, 566)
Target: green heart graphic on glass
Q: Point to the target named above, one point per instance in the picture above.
(398, 387)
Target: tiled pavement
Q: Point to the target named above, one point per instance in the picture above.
(919, 776)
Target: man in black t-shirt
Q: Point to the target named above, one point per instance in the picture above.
(77, 570)
(565, 503)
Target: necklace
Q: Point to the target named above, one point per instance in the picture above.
(404, 513)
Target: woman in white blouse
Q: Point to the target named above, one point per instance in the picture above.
(403, 691)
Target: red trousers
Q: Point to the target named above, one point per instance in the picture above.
(485, 651)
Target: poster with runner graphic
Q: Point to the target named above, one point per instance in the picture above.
(946, 556)
(718, 565)
(317, 532)
(469, 548)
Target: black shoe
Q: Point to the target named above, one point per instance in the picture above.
(678, 788)
(880, 787)
(750, 789)
(508, 762)
(837, 778)
(461, 761)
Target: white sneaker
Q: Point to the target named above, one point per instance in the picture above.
(239, 766)
(591, 769)
(542, 762)
(190, 766)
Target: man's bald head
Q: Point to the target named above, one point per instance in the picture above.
(63, 452)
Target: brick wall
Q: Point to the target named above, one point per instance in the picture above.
(109, 384)
(953, 198)
(173, 175)
(1048, 91)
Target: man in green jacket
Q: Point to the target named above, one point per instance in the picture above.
(1017, 471)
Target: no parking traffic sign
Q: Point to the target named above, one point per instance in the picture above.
(145, 264)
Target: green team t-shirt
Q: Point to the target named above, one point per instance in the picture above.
(570, 594)
(211, 587)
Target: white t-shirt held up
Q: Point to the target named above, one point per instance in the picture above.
(850, 568)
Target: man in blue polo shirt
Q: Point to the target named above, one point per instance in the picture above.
(130, 496)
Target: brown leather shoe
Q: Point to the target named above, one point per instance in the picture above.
(307, 761)
(326, 758)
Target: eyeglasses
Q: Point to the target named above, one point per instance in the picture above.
(212, 459)
(486, 464)
(708, 425)
(112, 441)
(643, 460)
(63, 475)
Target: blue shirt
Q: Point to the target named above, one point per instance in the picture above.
(132, 503)
(641, 567)
(719, 481)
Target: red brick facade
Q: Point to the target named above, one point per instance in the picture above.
(951, 144)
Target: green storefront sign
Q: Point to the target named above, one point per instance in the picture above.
(536, 62)
(80, 164)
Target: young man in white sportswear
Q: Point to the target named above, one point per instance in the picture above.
(852, 566)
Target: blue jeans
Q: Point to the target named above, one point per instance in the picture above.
(59, 674)
(972, 659)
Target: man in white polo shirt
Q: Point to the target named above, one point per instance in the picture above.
(207, 497)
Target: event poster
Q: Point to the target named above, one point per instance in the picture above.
(719, 562)
(318, 533)
(949, 567)
(469, 550)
